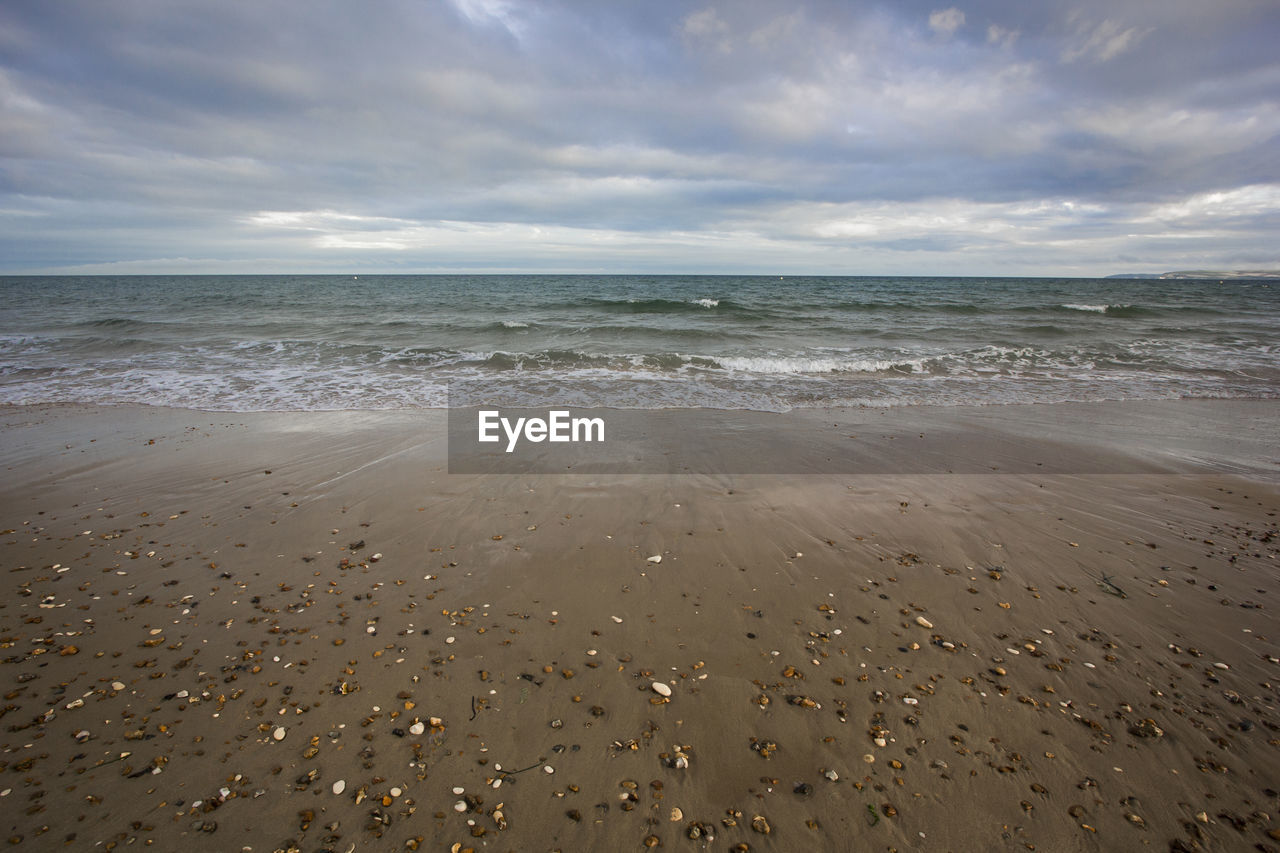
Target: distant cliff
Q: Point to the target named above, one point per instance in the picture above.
(1219, 274)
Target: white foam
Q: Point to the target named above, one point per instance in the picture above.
(514, 324)
(791, 365)
(707, 303)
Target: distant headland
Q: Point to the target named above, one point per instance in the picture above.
(1219, 274)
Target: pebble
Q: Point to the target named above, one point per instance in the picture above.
(923, 622)
(117, 685)
(661, 689)
(279, 733)
(460, 806)
(395, 792)
(339, 786)
(656, 558)
(417, 728)
(1221, 665)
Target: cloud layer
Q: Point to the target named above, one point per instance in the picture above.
(991, 137)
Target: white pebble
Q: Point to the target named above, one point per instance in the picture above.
(339, 786)
(117, 685)
(661, 689)
(279, 733)
(395, 792)
(548, 770)
(1221, 665)
(656, 558)
(460, 806)
(459, 790)
(417, 729)
(923, 622)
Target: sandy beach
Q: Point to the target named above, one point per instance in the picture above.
(299, 632)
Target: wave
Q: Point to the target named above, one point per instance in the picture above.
(1122, 309)
(636, 305)
(808, 365)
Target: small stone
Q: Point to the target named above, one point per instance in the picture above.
(652, 841)
(1146, 728)
(417, 728)
(1221, 665)
(395, 792)
(832, 775)
(923, 622)
(339, 786)
(460, 806)
(279, 733)
(661, 689)
(760, 825)
(548, 770)
(117, 685)
(676, 815)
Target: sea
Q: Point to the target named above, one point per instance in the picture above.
(766, 343)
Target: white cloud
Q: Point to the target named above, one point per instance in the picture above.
(1103, 41)
(501, 12)
(945, 22)
(998, 35)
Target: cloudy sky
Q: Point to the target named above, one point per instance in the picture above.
(992, 137)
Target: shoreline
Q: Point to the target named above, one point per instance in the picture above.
(184, 584)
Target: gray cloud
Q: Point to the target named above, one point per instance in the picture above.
(819, 136)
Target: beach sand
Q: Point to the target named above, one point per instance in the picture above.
(298, 631)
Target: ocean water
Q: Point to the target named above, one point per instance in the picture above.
(279, 343)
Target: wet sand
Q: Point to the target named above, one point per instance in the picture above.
(213, 622)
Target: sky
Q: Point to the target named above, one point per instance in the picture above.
(993, 137)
